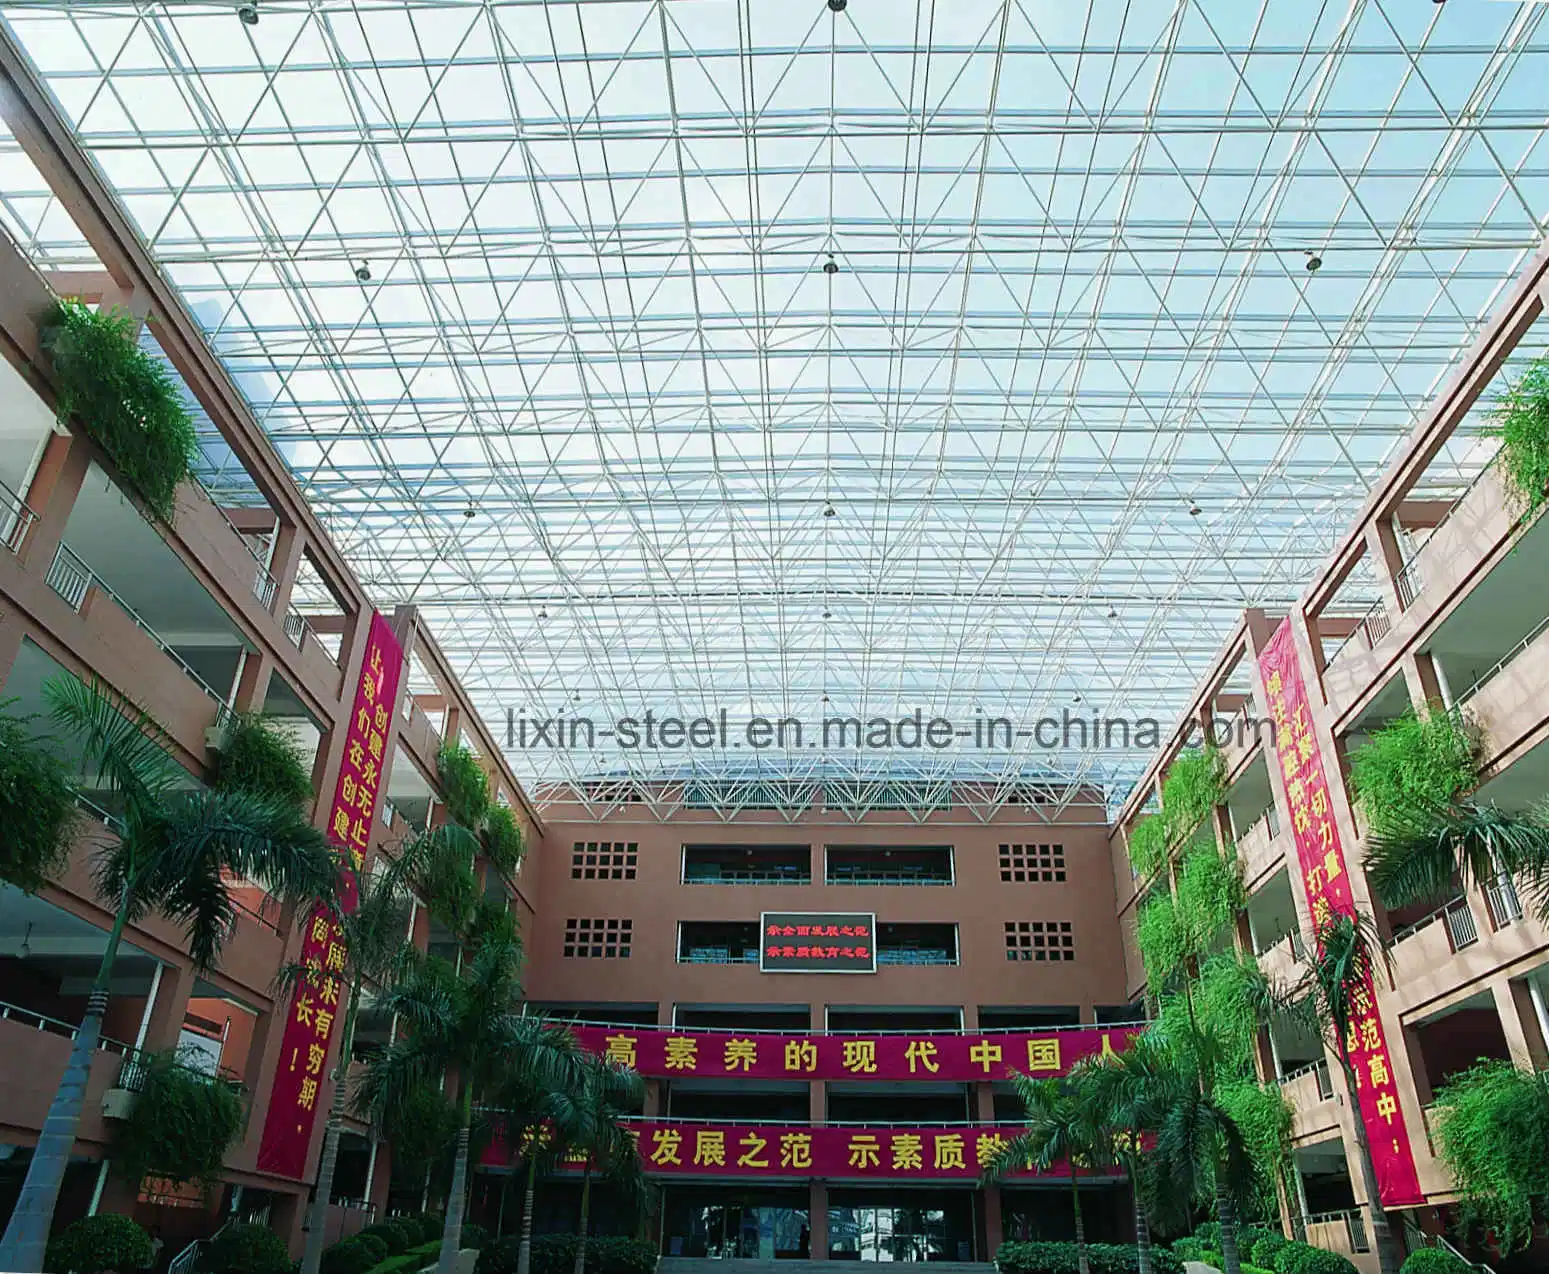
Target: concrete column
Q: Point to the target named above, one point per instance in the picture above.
(285, 564)
(1518, 1043)
(52, 494)
(165, 1013)
(12, 632)
(817, 1220)
(1420, 679)
(984, 1112)
(1388, 561)
(253, 681)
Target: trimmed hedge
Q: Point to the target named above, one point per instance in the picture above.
(1436, 1260)
(245, 1249)
(1265, 1249)
(103, 1244)
(472, 1235)
(1060, 1258)
(1303, 1258)
(406, 1262)
(396, 1233)
(355, 1255)
(605, 1254)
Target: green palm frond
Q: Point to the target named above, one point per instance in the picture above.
(121, 741)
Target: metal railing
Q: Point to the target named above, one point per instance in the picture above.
(915, 955)
(1318, 1068)
(1459, 920)
(72, 579)
(296, 628)
(1499, 665)
(1371, 628)
(1354, 1222)
(56, 1026)
(264, 585)
(748, 876)
(885, 878)
(717, 955)
(187, 1261)
(16, 519)
(1505, 906)
(1409, 582)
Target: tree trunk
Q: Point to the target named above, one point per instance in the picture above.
(1231, 1263)
(1389, 1254)
(1075, 1202)
(586, 1204)
(26, 1235)
(1142, 1232)
(317, 1221)
(524, 1248)
(451, 1238)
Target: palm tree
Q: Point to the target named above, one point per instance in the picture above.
(587, 1121)
(1061, 1128)
(1336, 980)
(176, 849)
(465, 1030)
(376, 942)
(1417, 856)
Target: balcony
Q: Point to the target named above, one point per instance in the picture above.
(1260, 848)
(1310, 1090)
(1343, 1231)
(717, 942)
(1452, 919)
(747, 865)
(845, 865)
(16, 519)
(917, 944)
(1506, 700)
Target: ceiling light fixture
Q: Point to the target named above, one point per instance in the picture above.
(827, 614)
(828, 509)
(837, 6)
(1113, 612)
(543, 612)
(830, 266)
(1194, 510)
(470, 511)
(1314, 263)
(248, 13)
(363, 272)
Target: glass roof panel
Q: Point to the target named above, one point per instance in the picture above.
(1069, 300)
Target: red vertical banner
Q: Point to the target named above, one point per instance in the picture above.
(314, 1016)
(1325, 873)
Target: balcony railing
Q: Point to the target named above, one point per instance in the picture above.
(1409, 582)
(1505, 906)
(296, 628)
(72, 579)
(264, 585)
(886, 878)
(1318, 1068)
(1353, 1221)
(16, 519)
(1371, 628)
(1495, 669)
(1459, 920)
(55, 1026)
(718, 955)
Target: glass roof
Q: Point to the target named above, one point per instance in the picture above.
(1072, 389)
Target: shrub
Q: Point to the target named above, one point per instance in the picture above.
(1211, 1257)
(1265, 1248)
(431, 1224)
(502, 838)
(181, 1125)
(261, 757)
(1060, 1258)
(1492, 1132)
(1253, 1269)
(473, 1235)
(1413, 766)
(464, 785)
(421, 1129)
(1195, 784)
(37, 805)
(354, 1255)
(103, 1244)
(1436, 1260)
(1303, 1258)
(245, 1249)
(403, 1263)
(1189, 1248)
(431, 1247)
(1209, 1233)
(555, 1254)
(1520, 419)
(128, 402)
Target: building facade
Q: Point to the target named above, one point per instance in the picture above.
(1434, 597)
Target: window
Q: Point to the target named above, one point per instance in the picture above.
(603, 860)
(1039, 940)
(598, 939)
(1020, 863)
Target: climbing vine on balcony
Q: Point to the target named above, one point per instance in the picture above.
(37, 804)
(1414, 767)
(1520, 419)
(261, 757)
(1148, 844)
(128, 402)
(502, 839)
(182, 1123)
(464, 786)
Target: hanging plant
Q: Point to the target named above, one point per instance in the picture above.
(1413, 767)
(1195, 784)
(128, 402)
(261, 757)
(1263, 1116)
(1232, 998)
(464, 785)
(1210, 894)
(1492, 1132)
(37, 805)
(181, 1125)
(502, 839)
(1160, 937)
(1148, 845)
(1520, 419)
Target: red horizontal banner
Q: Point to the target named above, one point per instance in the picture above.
(660, 1052)
(956, 1152)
